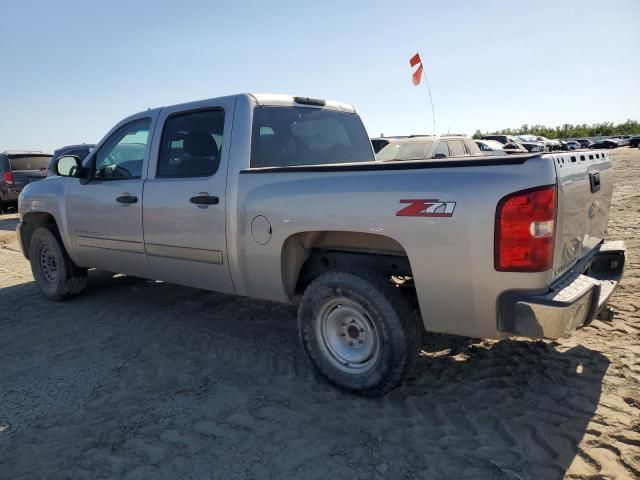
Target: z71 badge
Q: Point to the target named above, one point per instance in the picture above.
(427, 208)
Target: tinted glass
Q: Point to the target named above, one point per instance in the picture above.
(286, 136)
(191, 144)
(29, 162)
(441, 148)
(404, 151)
(122, 155)
(456, 148)
(379, 145)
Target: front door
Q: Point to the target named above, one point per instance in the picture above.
(104, 211)
(184, 198)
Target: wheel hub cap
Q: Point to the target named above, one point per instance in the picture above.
(48, 264)
(347, 335)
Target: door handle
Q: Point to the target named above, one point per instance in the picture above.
(204, 200)
(127, 199)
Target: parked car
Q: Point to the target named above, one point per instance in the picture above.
(422, 147)
(531, 143)
(584, 142)
(634, 141)
(549, 144)
(280, 198)
(490, 147)
(514, 147)
(80, 150)
(503, 139)
(17, 169)
(528, 144)
(569, 145)
(621, 141)
(605, 143)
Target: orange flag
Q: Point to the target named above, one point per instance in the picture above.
(417, 75)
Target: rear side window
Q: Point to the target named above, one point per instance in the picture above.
(191, 144)
(442, 149)
(404, 151)
(37, 162)
(456, 148)
(288, 136)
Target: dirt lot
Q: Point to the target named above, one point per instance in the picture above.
(137, 379)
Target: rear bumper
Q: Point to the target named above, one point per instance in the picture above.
(572, 302)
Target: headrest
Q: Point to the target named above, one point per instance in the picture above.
(200, 144)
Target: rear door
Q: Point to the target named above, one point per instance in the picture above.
(585, 186)
(105, 212)
(184, 198)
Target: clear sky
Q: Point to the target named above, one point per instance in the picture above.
(69, 69)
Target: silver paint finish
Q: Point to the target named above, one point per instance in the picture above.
(584, 217)
(451, 258)
(173, 225)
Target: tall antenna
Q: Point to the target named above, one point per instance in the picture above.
(433, 112)
(418, 74)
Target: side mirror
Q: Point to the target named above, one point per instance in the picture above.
(67, 166)
(439, 155)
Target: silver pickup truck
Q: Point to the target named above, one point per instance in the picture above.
(280, 198)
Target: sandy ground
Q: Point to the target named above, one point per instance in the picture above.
(137, 379)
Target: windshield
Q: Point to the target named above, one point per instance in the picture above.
(29, 162)
(288, 136)
(404, 151)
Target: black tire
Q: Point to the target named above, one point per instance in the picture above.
(334, 306)
(55, 273)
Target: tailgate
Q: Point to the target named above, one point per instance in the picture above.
(585, 184)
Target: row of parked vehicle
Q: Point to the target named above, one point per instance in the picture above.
(19, 167)
(417, 147)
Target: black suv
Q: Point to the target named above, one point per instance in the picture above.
(17, 169)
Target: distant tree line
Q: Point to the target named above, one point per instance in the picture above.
(570, 131)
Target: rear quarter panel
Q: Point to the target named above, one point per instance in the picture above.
(451, 257)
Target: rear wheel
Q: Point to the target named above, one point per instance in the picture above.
(55, 273)
(359, 330)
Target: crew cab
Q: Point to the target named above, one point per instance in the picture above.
(280, 198)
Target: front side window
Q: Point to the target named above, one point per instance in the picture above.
(122, 155)
(287, 136)
(191, 144)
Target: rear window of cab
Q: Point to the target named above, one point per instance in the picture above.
(290, 136)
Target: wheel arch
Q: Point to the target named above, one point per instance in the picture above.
(306, 255)
(31, 221)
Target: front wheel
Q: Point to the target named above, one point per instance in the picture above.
(55, 273)
(359, 330)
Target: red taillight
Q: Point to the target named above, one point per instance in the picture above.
(525, 230)
(8, 177)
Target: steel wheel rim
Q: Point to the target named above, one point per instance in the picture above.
(347, 335)
(48, 264)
